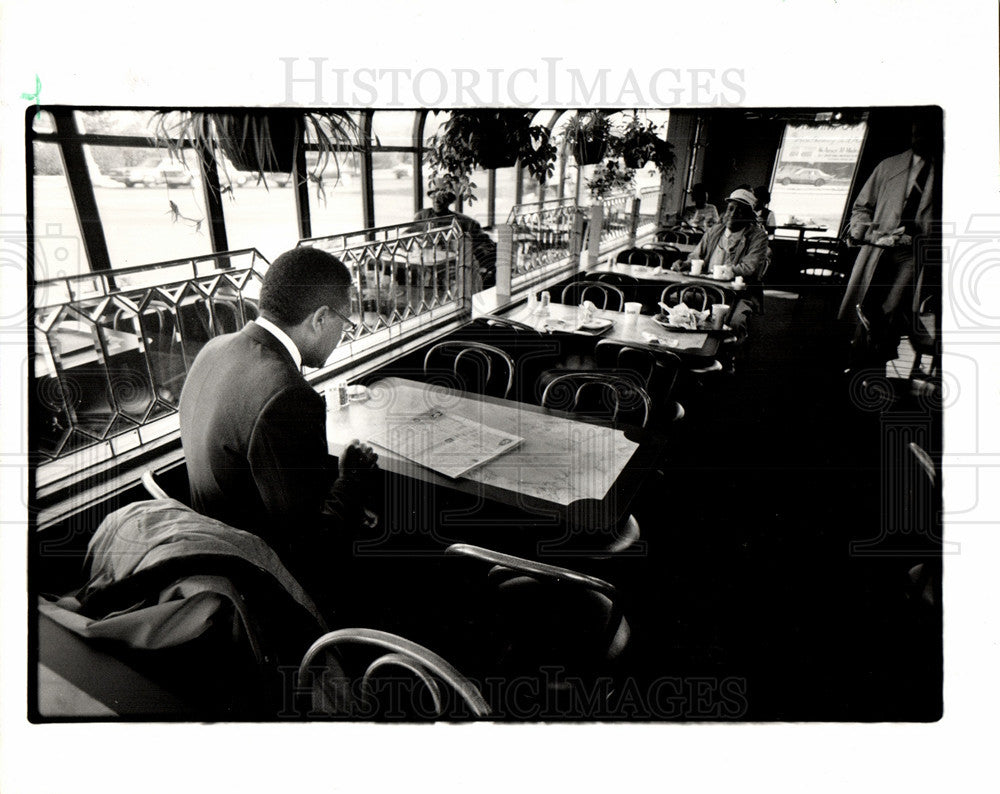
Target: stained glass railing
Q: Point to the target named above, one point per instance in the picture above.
(112, 349)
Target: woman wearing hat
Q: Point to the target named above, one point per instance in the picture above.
(738, 242)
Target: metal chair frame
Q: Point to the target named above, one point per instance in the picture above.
(429, 668)
(613, 382)
(710, 294)
(480, 351)
(605, 289)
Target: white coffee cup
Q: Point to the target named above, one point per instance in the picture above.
(719, 313)
(696, 266)
(632, 311)
(719, 272)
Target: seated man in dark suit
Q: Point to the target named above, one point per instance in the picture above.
(254, 431)
(484, 250)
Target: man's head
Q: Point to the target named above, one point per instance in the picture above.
(925, 134)
(739, 209)
(763, 196)
(307, 293)
(442, 200)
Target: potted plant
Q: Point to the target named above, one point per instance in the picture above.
(260, 141)
(587, 136)
(488, 139)
(638, 143)
(610, 177)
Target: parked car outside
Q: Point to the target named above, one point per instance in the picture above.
(153, 171)
(807, 176)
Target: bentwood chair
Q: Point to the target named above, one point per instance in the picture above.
(699, 297)
(925, 341)
(872, 350)
(627, 284)
(359, 673)
(925, 576)
(646, 257)
(547, 614)
(497, 322)
(480, 367)
(822, 272)
(667, 253)
(675, 235)
(604, 296)
(657, 371)
(619, 397)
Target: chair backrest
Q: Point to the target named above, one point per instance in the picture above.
(623, 257)
(604, 296)
(821, 256)
(695, 296)
(153, 488)
(225, 316)
(339, 696)
(639, 256)
(627, 284)
(483, 368)
(672, 236)
(662, 247)
(507, 324)
(649, 257)
(620, 397)
(656, 369)
(926, 461)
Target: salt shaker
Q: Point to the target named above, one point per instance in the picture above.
(342, 398)
(544, 308)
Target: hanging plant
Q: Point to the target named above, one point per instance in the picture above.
(487, 139)
(610, 177)
(586, 135)
(639, 143)
(260, 141)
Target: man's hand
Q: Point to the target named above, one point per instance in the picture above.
(894, 238)
(357, 457)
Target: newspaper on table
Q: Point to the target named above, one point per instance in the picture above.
(450, 445)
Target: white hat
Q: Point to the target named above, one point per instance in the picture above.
(744, 196)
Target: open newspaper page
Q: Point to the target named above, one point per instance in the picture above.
(448, 444)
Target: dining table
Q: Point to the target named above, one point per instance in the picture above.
(430, 267)
(641, 330)
(562, 471)
(657, 275)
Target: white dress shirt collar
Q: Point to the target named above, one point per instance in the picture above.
(282, 337)
(916, 163)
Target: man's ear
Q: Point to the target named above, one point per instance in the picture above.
(318, 317)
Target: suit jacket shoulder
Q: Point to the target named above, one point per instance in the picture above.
(250, 424)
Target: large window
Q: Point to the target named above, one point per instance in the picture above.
(151, 211)
(335, 202)
(152, 206)
(812, 176)
(59, 249)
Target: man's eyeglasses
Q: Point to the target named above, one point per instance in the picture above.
(349, 323)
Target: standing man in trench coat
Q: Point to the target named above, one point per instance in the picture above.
(893, 216)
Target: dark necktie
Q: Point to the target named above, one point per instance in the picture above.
(909, 216)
